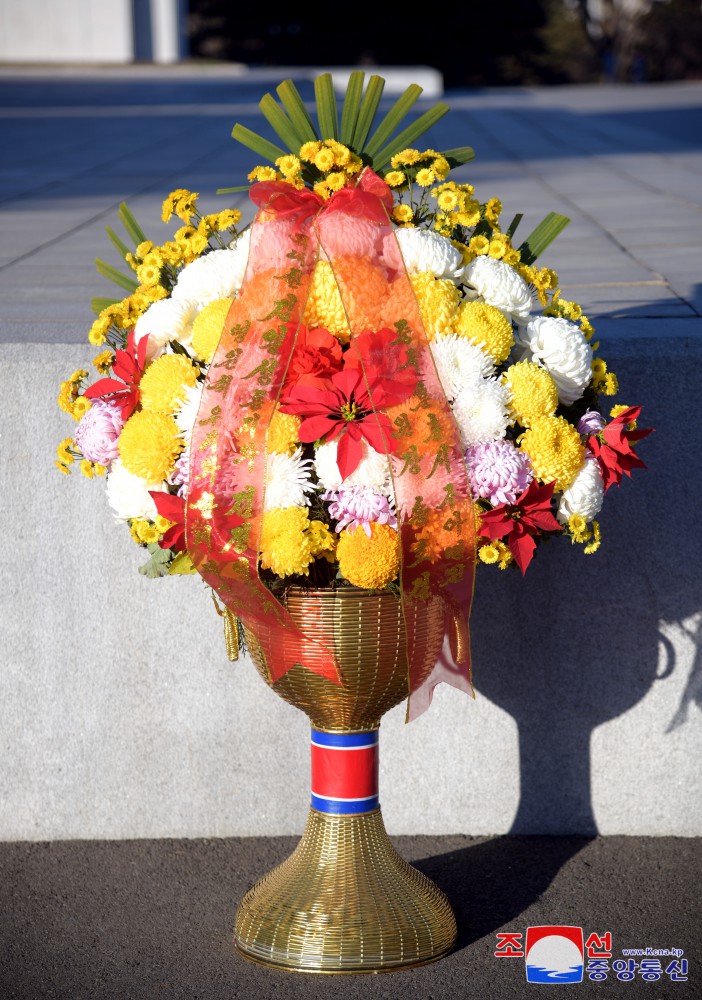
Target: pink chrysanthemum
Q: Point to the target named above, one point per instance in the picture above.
(498, 471)
(358, 507)
(98, 432)
(591, 422)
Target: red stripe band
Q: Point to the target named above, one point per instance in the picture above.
(346, 773)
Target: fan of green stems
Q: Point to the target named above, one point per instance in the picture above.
(353, 125)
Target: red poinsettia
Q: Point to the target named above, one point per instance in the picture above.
(316, 357)
(343, 410)
(129, 367)
(171, 507)
(612, 447)
(384, 359)
(516, 523)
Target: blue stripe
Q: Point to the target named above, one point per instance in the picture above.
(345, 740)
(341, 808)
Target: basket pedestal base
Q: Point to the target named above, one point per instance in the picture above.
(344, 901)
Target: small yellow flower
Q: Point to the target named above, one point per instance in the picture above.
(172, 253)
(98, 469)
(148, 274)
(336, 180)
(506, 557)
(162, 524)
(599, 369)
(496, 249)
(577, 525)
(288, 165)
(103, 362)
(309, 150)
(395, 178)
(406, 158)
(80, 407)
(322, 190)
(324, 160)
(595, 543)
(143, 249)
(441, 168)
(447, 201)
(493, 208)
(86, 468)
(488, 554)
(228, 219)
(611, 384)
(63, 451)
(263, 174)
(63, 468)
(185, 205)
(479, 244)
(402, 213)
(425, 177)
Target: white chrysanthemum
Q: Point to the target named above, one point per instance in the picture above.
(585, 494)
(187, 414)
(288, 480)
(481, 412)
(459, 363)
(217, 275)
(425, 250)
(499, 285)
(128, 495)
(165, 320)
(562, 349)
(373, 471)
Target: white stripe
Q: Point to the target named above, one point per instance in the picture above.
(334, 798)
(325, 746)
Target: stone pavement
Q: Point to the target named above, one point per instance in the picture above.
(147, 919)
(624, 163)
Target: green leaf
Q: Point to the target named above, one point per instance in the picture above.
(107, 271)
(327, 113)
(264, 148)
(541, 237)
(297, 112)
(410, 135)
(352, 105)
(280, 123)
(117, 243)
(131, 224)
(457, 157)
(181, 565)
(366, 114)
(392, 120)
(100, 302)
(241, 187)
(514, 223)
(158, 563)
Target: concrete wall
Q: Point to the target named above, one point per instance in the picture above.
(121, 717)
(66, 31)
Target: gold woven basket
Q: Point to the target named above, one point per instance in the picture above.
(345, 901)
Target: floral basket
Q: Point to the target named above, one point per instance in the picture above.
(370, 390)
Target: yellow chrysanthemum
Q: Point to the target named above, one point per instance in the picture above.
(227, 219)
(489, 553)
(86, 468)
(486, 326)
(402, 213)
(164, 382)
(263, 174)
(395, 178)
(283, 433)
(533, 393)
(425, 177)
(286, 545)
(309, 150)
(554, 449)
(479, 244)
(324, 160)
(103, 362)
(98, 331)
(207, 328)
(172, 253)
(63, 451)
(62, 468)
(149, 445)
(372, 562)
(611, 384)
(149, 274)
(322, 541)
(438, 300)
(405, 158)
(162, 524)
(506, 557)
(619, 408)
(577, 526)
(80, 407)
(596, 539)
(289, 165)
(324, 306)
(447, 200)
(492, 210)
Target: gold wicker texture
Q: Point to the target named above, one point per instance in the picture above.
(345, 901)
(367, 632)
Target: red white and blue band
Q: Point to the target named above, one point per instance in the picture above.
(344, 772)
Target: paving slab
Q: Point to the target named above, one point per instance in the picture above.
(146, 919)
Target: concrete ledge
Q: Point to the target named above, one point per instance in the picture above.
(121, 717)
